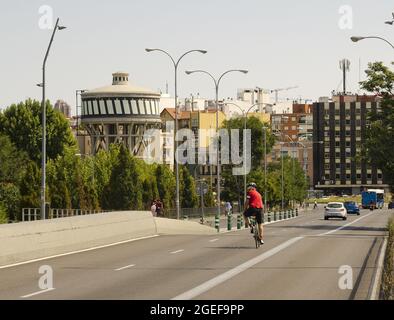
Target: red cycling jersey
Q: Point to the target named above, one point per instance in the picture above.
(255, 199)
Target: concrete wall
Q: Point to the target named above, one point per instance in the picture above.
(171, 227)
(38, 239)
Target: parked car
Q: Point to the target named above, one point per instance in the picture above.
(335, 210)
(352, 207)
(391, 204)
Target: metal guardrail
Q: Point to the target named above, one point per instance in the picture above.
(33, 214)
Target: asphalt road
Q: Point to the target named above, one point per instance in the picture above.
(300, 260)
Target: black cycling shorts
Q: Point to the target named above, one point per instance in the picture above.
(254, 212)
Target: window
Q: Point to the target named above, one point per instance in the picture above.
(95, 107)
(118, 107)
(348, 144)
(90, 108)
(134, 106)
(126, 106)
(348, 177)
(84, 107)
(348, 122)
(337, 144)
(110, 106)
(102, 107)
(348, 133)
(327, 155)
(337, 155)
(141, 106)
(148, 107)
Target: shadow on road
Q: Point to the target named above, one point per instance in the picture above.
(333, 227)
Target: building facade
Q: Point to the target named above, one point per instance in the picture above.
(342, 126)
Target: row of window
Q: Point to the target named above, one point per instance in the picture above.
(97, 107)
(348, 177)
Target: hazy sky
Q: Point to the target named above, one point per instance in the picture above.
(282, 43)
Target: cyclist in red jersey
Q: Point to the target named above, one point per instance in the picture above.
(254, 207)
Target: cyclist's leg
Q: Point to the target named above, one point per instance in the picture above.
(259, 220)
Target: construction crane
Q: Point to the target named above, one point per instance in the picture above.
(281, 89)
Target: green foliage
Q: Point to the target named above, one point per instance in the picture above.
(22, 123)
(10, 198)
(257, 133)
(188, 193)
(209, 199)
(124, 191)
(3, 214)
(378, 148)
(12, 161)
(30, 186)
(166, 185)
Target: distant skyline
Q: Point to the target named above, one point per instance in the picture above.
(282, 44)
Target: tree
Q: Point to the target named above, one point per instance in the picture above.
(30, 186)
(166, 185)
(10, 198)
(188, 193)
(12, 161)
(209, 199)
(124, 191)
(3, 214)
(378, 148)
(22, 123)
(233, 189)
(257, 134)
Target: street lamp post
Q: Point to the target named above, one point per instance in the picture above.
(356, 39)
(217, 83)
(176, 64)
(44, 119)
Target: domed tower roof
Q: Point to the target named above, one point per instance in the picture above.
(121, 87)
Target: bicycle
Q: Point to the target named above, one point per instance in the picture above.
(256, 233)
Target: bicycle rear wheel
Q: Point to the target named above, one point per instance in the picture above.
(256, 235)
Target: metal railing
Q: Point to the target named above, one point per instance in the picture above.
(33, 214)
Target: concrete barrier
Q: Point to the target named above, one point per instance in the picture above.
(33, 240)
(172, 227)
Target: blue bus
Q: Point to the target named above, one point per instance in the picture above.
(374, 197)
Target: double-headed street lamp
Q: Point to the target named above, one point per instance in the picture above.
(356, 39)
(44, 119)
(176, 64)
(217, 83)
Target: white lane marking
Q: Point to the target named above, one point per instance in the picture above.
(233, 272)
(126, 267)
(74, 252)
(37, 293)
(213, 240)
(343, 227)
(178, 251)
(378, 274)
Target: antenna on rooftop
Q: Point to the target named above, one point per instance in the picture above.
(344, 65)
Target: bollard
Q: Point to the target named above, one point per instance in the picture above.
(275, 217)
(280, 215)
(185, 218)
(289, 214)
(239, 222)
(217, 223)
(297, 212)
(292, 213)
(229, 221)
(269, 216)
